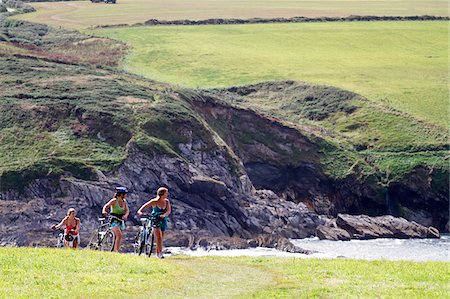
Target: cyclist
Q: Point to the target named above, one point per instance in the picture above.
(118, 208)
(161, 209)
(71, 232)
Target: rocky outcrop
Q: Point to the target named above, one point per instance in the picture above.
(332, 233)
(363, 227)
(422, 196)
(207, 201)
(288, 161)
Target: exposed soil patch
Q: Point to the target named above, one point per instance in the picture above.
(131, 100)
(61, 45)
(74, 79)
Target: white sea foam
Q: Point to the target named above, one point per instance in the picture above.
(254, 252)
(383, 249)
(378, 249)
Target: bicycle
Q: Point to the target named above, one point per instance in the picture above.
(103, 238)
(60, 238)
(145, 238)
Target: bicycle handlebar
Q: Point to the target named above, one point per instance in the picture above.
(146, 216)
(112, 217)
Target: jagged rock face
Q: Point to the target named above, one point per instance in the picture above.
(306, 183)
(422, 196)
(364, 227)
(202, 205)
(285, 161)
(332, 233)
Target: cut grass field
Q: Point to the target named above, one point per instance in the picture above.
(53, 273)
(403, 64)
(81, 14)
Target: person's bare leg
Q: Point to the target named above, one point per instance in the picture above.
(162, 242)
(66, 244)
(118, 238)
(158, 236)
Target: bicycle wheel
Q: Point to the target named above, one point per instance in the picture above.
(94, 241)
(149, 245)
(107, 243)
(60, 241)
(139, 243)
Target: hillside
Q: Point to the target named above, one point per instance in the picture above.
(30, 272)
(73, 128)
(397, 64)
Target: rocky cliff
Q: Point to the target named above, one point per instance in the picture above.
(70, 132)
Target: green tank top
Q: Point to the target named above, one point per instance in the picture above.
(118, 210)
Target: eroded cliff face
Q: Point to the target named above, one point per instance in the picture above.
(283, 159)
(422, 196)
(70, 134)
(207, 200)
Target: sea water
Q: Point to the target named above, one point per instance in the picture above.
(378, 249)
(382, 249)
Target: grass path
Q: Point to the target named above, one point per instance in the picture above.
(78, 14)
(404, 64)
(52, 273)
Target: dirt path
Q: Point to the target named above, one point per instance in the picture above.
(72, 8)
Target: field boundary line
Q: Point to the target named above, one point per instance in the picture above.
(234, 21)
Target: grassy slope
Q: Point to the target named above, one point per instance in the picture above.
(388, 140)
(83, 13)
(51, 273)
(403, 64)
(41, 135)
(58, 117)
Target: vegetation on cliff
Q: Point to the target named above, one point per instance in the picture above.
(61, 114)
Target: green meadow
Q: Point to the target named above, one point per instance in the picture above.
(401, 64)
(82, 14)
(53, 273)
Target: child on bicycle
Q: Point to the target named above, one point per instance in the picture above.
(118, 208)
(71, 232)
(160, 208)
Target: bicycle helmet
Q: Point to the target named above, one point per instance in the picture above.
(121, 190)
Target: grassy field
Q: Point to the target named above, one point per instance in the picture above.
(401, 63)
(51, 273)
(83, 13)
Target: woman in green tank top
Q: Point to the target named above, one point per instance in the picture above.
(118, 208)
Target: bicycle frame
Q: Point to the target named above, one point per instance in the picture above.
(60, 239)
(100, 239)
(145, 236)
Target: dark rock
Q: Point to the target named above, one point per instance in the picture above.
(423, 196)
(283, 244)
(364, 227)
(332, 233)
(203, 184)
(220, 243)
(252, 243)
(178, 239)
(279, 243)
